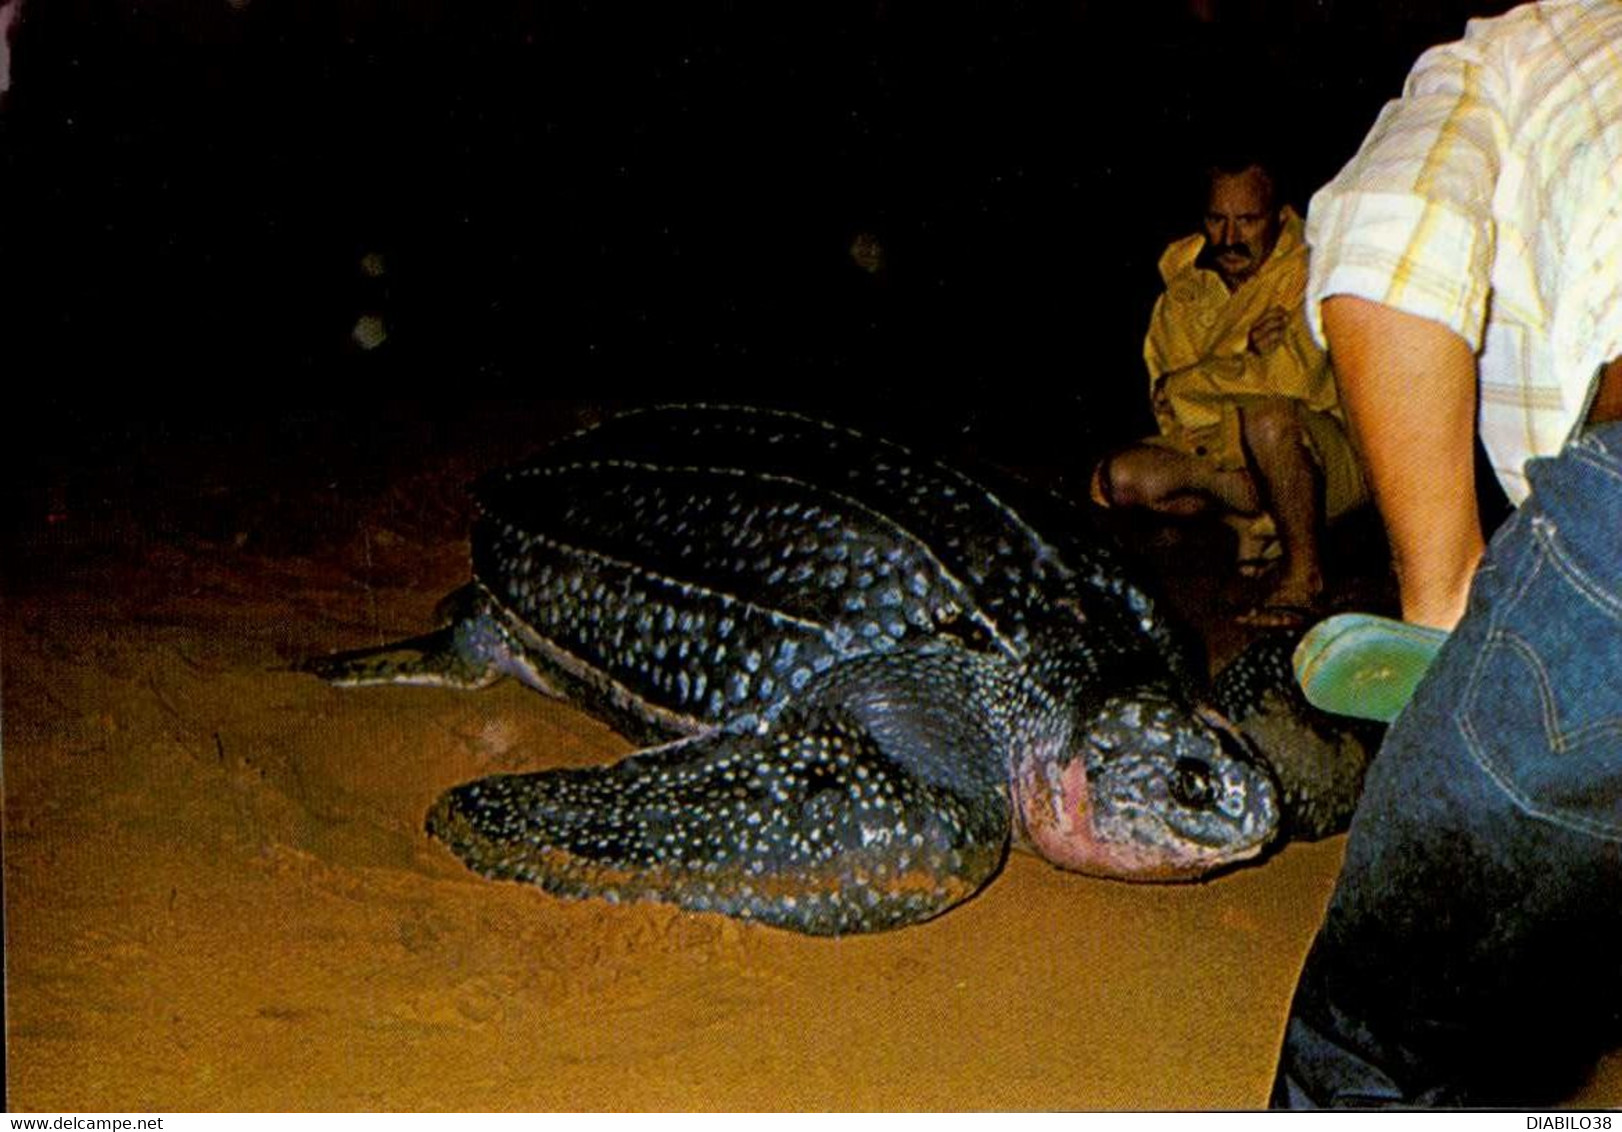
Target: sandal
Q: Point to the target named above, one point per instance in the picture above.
(1279, 615)
(1257, 565)
(1259, 547)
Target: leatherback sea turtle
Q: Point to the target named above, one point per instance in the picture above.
(866, 673)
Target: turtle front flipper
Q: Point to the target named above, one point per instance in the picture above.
(811, 827)
(1318, 758)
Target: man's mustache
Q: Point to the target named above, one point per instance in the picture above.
(1236, 249)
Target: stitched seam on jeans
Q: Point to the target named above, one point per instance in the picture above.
(1548, 537)
(1604, 830)
(1560, 738)
(1553, 737)
(1603, 460)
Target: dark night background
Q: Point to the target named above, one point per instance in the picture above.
(586, 200)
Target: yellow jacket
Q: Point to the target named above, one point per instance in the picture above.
(1198, 346)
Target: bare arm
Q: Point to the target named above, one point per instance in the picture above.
(1409, 387)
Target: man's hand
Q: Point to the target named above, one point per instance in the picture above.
(1269, 330)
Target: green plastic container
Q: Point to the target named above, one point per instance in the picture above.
(1364, 666)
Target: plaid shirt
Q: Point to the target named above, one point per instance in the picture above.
(1489, 198)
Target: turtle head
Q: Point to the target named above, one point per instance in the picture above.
(1146, 789)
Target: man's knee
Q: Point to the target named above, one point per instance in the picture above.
(1273, 423)
(1132, 477)
(1101, 488)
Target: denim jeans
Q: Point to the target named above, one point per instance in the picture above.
(1472, 950)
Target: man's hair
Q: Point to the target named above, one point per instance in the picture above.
(1232, 162)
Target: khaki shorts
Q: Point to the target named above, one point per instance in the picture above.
(1345, 488)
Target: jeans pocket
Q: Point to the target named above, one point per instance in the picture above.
(1542, 706)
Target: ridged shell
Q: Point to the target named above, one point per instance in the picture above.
(713, 561)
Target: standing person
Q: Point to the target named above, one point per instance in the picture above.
(1467, 266)
(1250, 423)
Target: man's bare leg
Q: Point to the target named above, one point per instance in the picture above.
(1291, 488)
(1174, 483)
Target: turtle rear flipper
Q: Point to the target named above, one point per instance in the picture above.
(470, 652)
(811, 827)
(436, 659)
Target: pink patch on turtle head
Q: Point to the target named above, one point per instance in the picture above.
(1055, 821)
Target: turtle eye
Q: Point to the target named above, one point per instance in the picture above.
(1192, 784)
